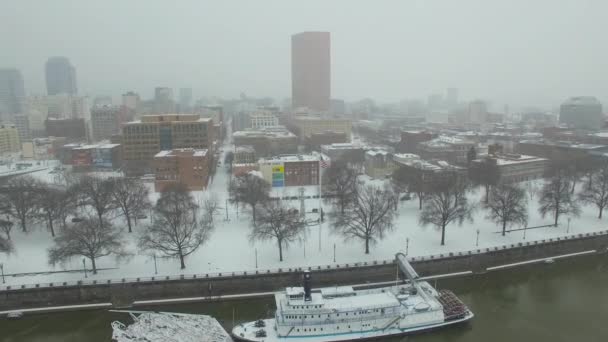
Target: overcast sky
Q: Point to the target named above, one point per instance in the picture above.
(517, 51)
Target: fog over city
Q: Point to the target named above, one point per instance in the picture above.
(506, 52)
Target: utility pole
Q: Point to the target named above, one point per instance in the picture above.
(477, 242)
(407, 246)
(84, 267)
(256, 258)
(2, 270)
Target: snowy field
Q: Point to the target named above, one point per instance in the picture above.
(229, 248)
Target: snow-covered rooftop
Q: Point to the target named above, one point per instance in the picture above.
(290, 158)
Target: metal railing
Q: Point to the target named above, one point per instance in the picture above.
(274, 271)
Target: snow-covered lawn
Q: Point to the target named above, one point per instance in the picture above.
(229, 248)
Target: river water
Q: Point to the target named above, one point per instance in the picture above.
(563, 301)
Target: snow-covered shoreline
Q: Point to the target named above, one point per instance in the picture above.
(230, 249)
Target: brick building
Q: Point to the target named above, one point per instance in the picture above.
(410, 140)
(291, 170)
(516, 167)
(267, 142)
(346, 152)
(72, 129)
(306, 126)
(450, 149)
(144, 138)
(187, 166)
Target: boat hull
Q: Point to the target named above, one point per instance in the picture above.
(343, 337)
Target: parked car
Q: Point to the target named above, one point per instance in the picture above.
(76, 219)
(142, 217)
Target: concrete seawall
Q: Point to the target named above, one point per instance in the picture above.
(124, 292)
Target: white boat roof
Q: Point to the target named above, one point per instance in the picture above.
(337, 291)
(376, 300)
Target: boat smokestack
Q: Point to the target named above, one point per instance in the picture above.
(307, 286)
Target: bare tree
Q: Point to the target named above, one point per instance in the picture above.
(131, 197)
(211, 206)
(249, 189)
(50, 200)
(6, 227)
(556, 197)
(370, 215)
(445, 204)
(280, 223)
(340, 185)
(485, 173)
(598, 193)
(69, 202)
(177, 231)
(228, 159)
(20, 193)
(6, 245)
(412, 182)
(88, 238)
(98, 194)
(508, 205)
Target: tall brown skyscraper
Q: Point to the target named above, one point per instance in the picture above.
(311, 70)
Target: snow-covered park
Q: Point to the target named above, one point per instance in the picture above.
(230, 249)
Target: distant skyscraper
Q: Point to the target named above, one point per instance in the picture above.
(105, 122)
(130, 100)
(451, 98)
(163, 100)
(12, 92)
(185, 99)
(583, 112)
(311, 70)
(60, 76)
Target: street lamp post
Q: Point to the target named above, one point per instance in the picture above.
(525, 228)
(2, 270)
(84, 267)
(334, 252)
(407, 245)
(568, 230)
(227, 210)
(155, 268)
(256, 258)
(477, 242)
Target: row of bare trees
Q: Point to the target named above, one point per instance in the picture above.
(94, 204)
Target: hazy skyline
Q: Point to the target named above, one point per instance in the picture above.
(517, 52)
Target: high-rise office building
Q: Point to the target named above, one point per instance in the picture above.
(163, 100)
(12, 91)
(451, 99)
(185, 99)
(131, 100)
(9, 139)
(60, 76)
(311, 70)
(105, 122)
(582, 112)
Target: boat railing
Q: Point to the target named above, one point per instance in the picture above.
(98, 280)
